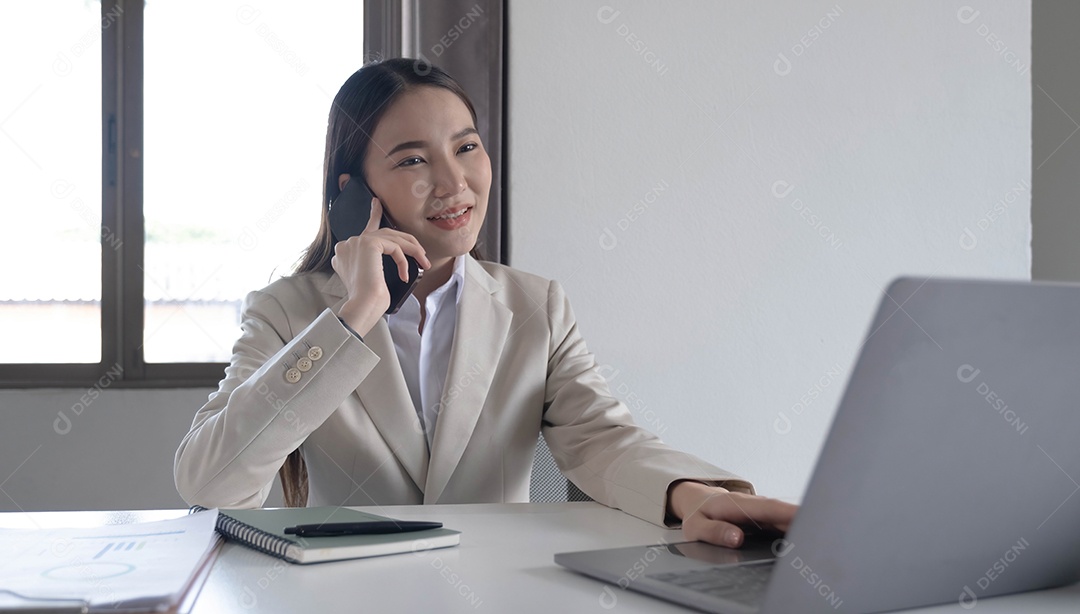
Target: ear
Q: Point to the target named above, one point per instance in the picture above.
(342, 180)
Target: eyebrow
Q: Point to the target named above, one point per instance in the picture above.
(422, 144)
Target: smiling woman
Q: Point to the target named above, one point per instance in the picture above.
(432, 178)
(441, 401)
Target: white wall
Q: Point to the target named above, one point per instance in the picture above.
(110, 449)
(724, 188)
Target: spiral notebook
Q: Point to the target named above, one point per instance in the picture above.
(264, 530)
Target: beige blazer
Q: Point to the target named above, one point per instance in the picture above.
(518, 367)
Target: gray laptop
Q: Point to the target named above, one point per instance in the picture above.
(951, 472)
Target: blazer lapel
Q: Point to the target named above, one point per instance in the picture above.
(386, 398)
(482, 326)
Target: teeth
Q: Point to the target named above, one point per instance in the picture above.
(451, 215)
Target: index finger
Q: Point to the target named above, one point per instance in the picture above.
(751, 509)
(376, 215)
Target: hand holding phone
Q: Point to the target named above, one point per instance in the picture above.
(378, 263)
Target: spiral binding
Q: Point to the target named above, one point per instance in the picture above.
(232, 529)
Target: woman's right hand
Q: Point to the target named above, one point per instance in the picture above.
(359, 262)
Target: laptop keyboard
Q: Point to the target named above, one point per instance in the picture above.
(743, 584)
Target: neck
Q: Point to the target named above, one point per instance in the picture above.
(437, 275)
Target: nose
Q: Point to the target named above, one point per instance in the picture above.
(449, 179)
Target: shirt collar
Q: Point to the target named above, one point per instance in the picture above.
(456, 281)
(459, 275)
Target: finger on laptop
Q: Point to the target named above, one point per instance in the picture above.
(750, 510)
(701, 528)
(726, 521)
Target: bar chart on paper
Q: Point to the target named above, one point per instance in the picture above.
(121, 547)
(121, 564)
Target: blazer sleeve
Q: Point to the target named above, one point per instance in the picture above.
(259, 414)
(593, 437)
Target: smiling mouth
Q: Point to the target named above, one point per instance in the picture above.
(450, 215)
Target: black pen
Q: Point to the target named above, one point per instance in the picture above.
(376, 527)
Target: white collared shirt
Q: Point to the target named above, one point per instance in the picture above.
(425, 357)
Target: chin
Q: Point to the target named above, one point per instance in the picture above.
(450, 246)
(448, 252)
(459, 252)
(462, 247)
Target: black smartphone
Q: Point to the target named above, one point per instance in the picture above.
(349, 215)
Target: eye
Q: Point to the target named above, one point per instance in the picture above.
(409, 161)
(467, 147)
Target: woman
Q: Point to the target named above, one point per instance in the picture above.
(443, 401)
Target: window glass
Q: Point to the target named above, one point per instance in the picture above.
(50, 152)
(235, 126)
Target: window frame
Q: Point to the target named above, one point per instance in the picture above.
(122, 304)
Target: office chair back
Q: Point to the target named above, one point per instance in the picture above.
(548, 484)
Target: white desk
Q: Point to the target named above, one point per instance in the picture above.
(504, 564)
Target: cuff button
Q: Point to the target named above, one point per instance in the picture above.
(314, 353)
(292, 375)
(304, 364)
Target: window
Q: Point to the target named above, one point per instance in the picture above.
(163, 158)
(234, 132)
(50, 150)
(209, 135)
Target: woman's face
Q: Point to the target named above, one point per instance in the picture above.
(426, 162)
